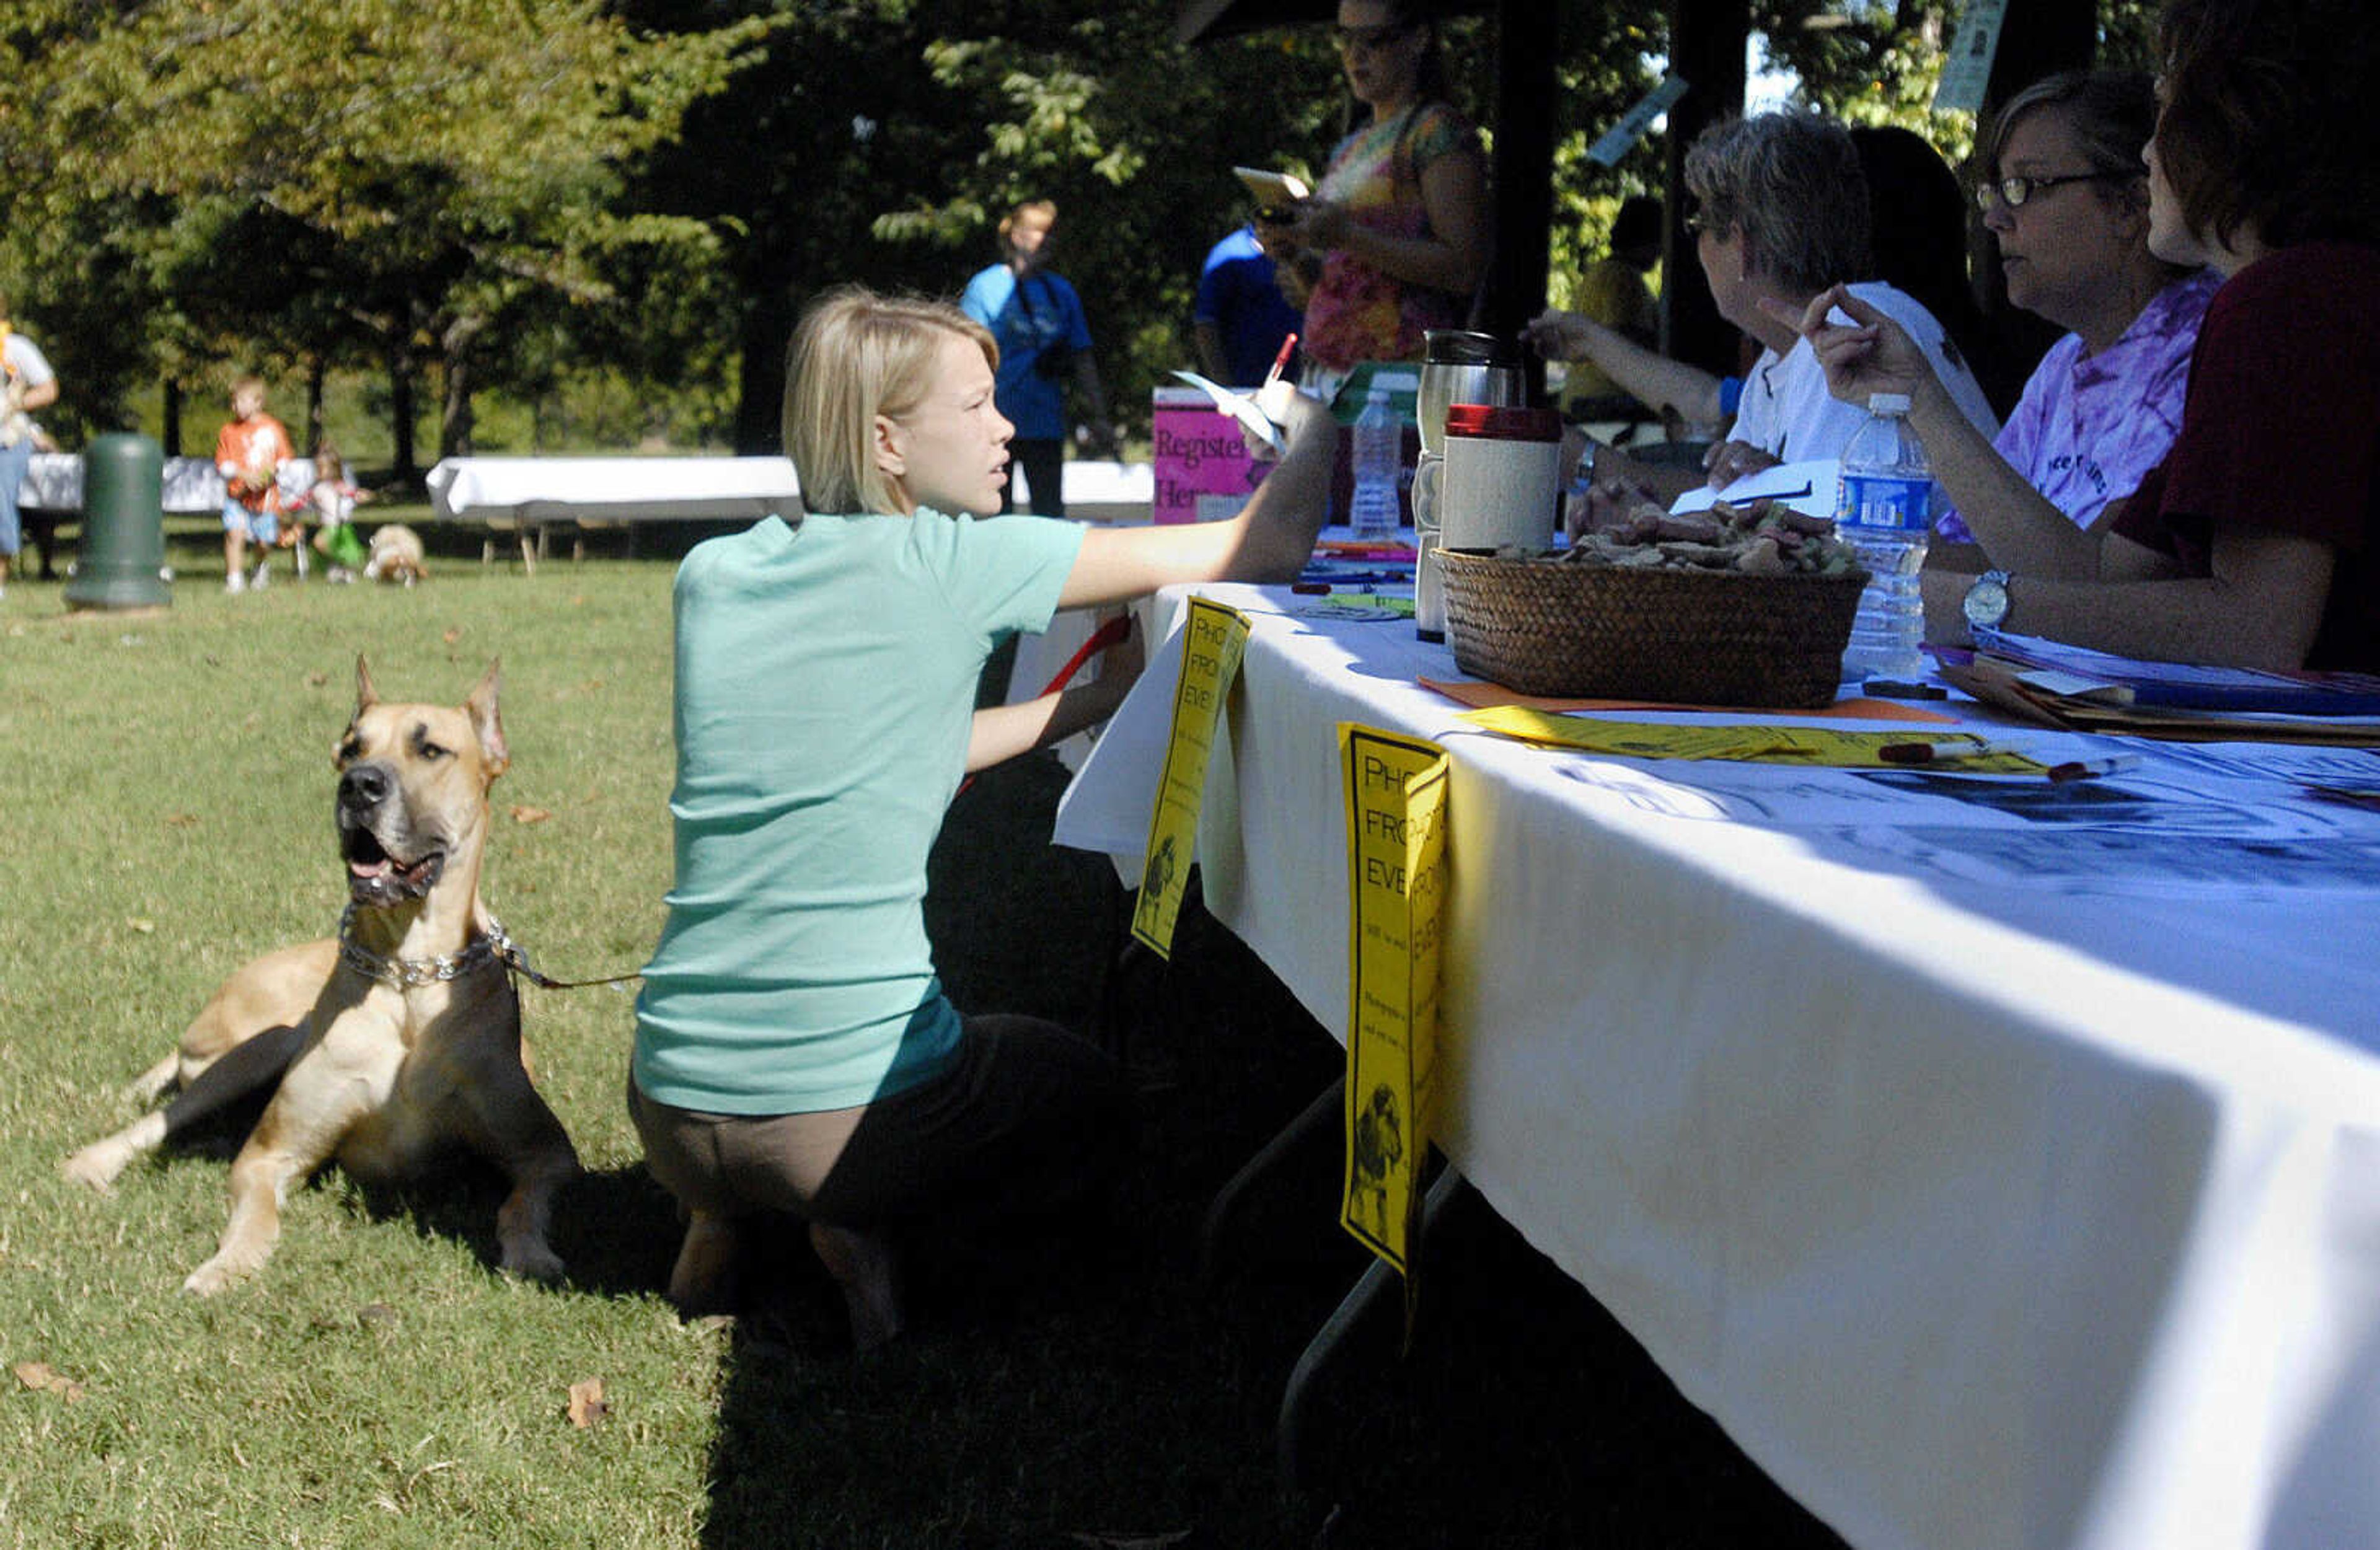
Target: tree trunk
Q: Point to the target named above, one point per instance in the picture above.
(315, 372)
(760, 383)
(455, 418)
(403, 471)
(172, 416)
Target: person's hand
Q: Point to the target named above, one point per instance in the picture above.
(1560, 336)
(1605, 504)
(1320, 225)
(1869, 355)
(1729, 461)
(1305, 417)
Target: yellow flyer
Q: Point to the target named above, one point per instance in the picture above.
(1973, 752)
(1396, 877)
(1214, 639)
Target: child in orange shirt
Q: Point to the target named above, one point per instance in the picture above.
(249, 451)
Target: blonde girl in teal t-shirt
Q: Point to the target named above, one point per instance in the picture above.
(795, 1051)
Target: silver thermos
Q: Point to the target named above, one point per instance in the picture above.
(1460, 367)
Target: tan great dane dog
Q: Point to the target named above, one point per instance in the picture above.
(394, 1040)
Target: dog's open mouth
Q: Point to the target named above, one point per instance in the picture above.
(374, 876)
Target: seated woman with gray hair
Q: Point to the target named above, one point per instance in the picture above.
(1782, 212)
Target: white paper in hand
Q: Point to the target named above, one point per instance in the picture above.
(1239, 406)
(1806, 487)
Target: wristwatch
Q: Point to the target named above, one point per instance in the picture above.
(1986, 603)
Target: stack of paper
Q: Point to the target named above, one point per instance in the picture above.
(2096, 691)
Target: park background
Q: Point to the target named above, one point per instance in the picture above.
(443, 227)
(543, 226)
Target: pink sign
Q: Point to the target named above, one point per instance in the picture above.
(1203, 470)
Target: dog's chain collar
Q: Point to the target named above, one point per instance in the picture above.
(404, 974)
(496, 947)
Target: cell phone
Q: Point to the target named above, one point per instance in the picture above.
(1275, 192)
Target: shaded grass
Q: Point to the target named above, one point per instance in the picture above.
(164, 814)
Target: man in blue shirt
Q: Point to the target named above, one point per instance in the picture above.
(1241, 316)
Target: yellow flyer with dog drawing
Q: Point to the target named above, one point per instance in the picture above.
(1213, 639)
(1396, 877)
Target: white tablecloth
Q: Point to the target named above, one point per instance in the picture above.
(54, 482)
(506, 491)
(1997, 1173)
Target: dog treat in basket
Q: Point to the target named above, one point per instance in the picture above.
(1759, 537)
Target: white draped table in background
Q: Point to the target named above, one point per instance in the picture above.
(1999, 1168)
(54, 482)
(528, 495)
(51, 488)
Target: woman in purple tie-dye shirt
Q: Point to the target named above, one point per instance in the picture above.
(2066, 194)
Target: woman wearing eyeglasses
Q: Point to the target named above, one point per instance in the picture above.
(2252, 542)
(2066, 195)
(1399, 220)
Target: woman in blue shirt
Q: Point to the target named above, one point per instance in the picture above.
(1045, 342)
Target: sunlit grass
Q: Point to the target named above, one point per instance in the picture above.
(164, 814)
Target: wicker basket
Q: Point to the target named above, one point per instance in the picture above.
(1690, 636)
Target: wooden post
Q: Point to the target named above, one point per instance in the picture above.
(2037, 38)
(1525, 50)
(1707, 45)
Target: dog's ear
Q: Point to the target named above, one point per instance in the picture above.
(486, 723)
(366, 695)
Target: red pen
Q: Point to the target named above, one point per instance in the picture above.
(1279, 361)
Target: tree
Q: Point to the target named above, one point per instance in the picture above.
(400, 179)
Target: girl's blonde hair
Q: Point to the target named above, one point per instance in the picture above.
(854, 356)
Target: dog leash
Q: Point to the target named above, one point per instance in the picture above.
(496, 947)
(516, 957)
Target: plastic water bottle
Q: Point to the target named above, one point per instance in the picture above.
(1378, 459)
(1883, 509)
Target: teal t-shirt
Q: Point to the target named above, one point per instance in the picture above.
(826, 676)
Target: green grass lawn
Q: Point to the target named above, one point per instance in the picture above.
(164, 814)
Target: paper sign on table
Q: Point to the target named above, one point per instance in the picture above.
(1761, 744)
(1396, 791)
(1213, 639)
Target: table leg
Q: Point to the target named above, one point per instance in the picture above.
(1289, 1431)
(1330, 1101)
(529, 547)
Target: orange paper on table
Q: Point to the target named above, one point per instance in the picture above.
(1488, 696)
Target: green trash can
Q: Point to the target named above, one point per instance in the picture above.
(123, 526)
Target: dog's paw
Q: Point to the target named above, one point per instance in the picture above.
(534, 1262)
(95, 1167)
(218, 1274)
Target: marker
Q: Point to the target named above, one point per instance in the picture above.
(1940, 753)
(1279, 361)
(2090, 770)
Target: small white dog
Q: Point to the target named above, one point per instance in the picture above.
(396, 555)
